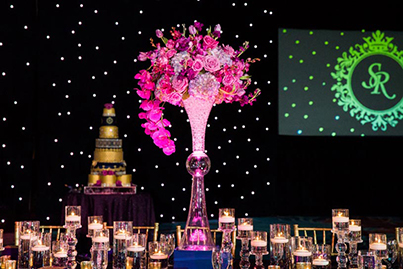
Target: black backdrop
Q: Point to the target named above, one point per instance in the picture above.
(60, 61)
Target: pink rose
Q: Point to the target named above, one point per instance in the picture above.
(211, 63)
(228, 79)
(175, 98)
(179, 85)
(197, 65)
(171, 53)
(209, 42)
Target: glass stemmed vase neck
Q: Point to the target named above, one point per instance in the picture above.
(197, 234)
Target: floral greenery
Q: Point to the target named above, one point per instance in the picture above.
(193, 65)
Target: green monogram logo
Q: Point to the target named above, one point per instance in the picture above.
(377, 100)
(378, 80)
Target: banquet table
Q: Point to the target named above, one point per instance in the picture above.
(138, 208)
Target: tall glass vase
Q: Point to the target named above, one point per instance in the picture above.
(197, 234)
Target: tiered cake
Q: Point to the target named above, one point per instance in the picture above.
(108, 169)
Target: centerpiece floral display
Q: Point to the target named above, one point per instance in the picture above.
(190, 65)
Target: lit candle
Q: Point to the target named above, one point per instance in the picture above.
(100, 239)
(340, 219)
(136, 248)
(73, 217)
(258, 243)
(95, 226)
(354, 228)
(302, 252)
(122, 234)
(245, 227)
(226, 219)
(401, 245)
(377, 246)
(158, 256)
(40, 248)
(28, 237)
(60, 254)
(279, 239)
(320, 261)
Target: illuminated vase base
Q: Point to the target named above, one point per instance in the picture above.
(197, 234)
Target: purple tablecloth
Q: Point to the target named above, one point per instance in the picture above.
(138, 208)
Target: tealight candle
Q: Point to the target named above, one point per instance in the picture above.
(279, 239)
(245, 227)
(121, 235)
(95, 226)
(320, 262)
(158, 256)
(60, 254)
(340, 219)
(40, 248)
(73, 218)
(28, 237)
(100, 239)
(226, 219)
(377, 246)
(354, 228)
(258, 243)
(136, 248)
(302, 253)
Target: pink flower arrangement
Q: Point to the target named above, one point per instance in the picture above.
(194, 65)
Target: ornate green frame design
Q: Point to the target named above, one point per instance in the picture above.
(378, 44)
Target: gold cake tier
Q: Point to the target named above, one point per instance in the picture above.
(112, 143)
(117, 168)
(110, 180)
(108, 131)
(108, 155)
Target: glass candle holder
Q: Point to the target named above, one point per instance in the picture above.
(28, 235)
(100, 248)
(340, 224)
(72, 217)
(245, 227)
(59, 253)
(94, 223)
(122, 233)
(340, 220)
(169, 239)
(321, 256)
(378, 244)
(354, 237)
(136, 258)
(158, 253)
(354, 230)
(41, 251)
(366, 259)
(301, 248)
(226, 223)
(100, 238)
(279, 245)
(259, 247)
(226, 219)
(1, 240)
